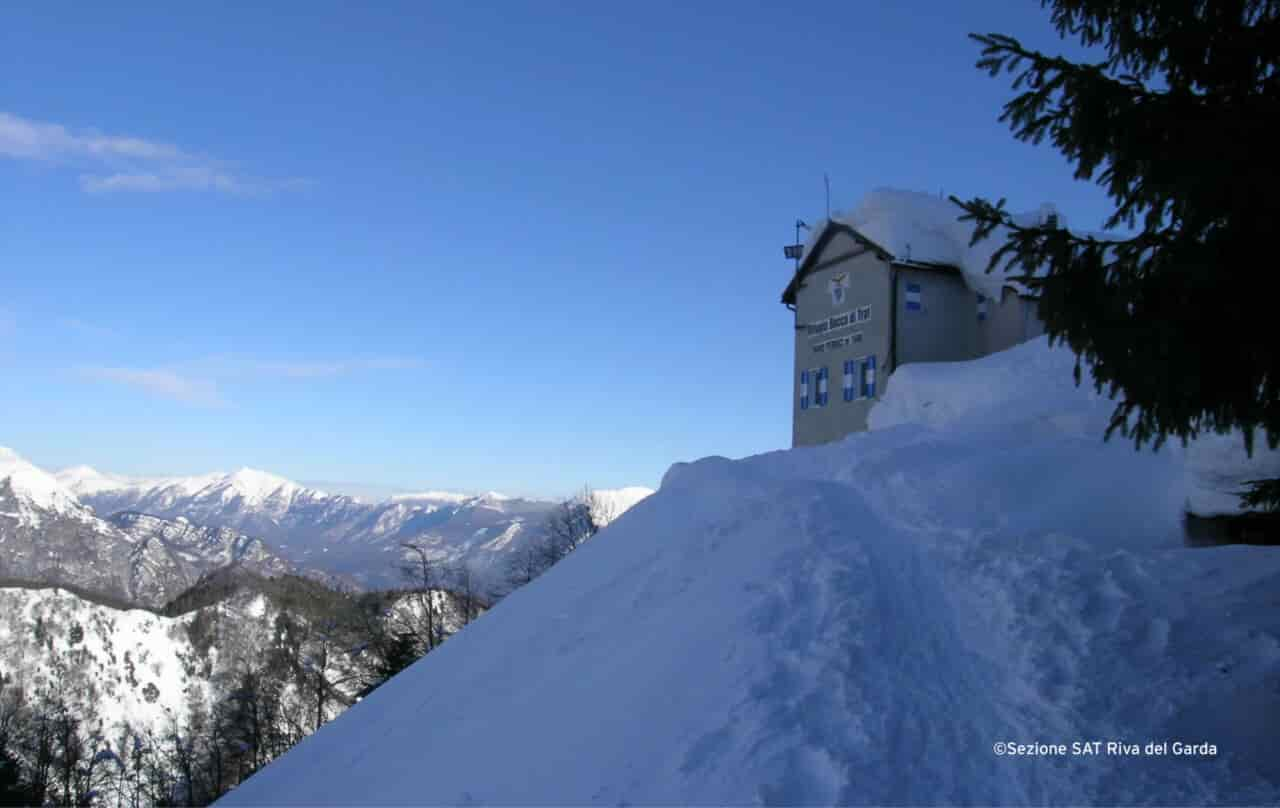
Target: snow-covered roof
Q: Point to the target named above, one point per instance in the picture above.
(916, 227)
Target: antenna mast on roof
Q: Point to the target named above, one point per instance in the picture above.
(795, 251)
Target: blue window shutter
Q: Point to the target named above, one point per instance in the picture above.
(822, 387)
(913, 297)
(804, 389)
(869, 377)
(848, 380)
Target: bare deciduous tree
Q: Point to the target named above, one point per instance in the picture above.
(424, 576)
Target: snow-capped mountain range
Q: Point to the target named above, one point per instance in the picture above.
(48, 536)
(331, 533)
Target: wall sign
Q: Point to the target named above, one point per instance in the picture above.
(838, 285)
(821, 329)
(838, 342)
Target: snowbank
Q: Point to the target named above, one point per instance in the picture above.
(854, 623)
(1026, 382)
(1035, 382)
(1218, 468)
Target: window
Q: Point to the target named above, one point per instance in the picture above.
(869, 377)
(804, 389)
(914, 298)
(849, 371)
(821, 398)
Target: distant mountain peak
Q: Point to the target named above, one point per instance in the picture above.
(35, 487)
(431, 496)
(256, 485)
(82, 480)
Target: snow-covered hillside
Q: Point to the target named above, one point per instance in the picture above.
(121, 667)
(865, 622)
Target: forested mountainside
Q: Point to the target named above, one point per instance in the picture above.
(129, 706)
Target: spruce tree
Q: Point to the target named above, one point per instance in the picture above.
(13, 789)
(1171, 120)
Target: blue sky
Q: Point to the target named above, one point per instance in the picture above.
(519, 247)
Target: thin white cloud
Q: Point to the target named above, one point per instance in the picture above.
(118, 164)
(197, 383)
(25, 139)
(164, 383)
(311, 370)
(301, 369)
(184, 179)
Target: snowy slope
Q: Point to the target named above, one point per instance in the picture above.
(854, 623)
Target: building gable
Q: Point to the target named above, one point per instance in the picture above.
(836, 242)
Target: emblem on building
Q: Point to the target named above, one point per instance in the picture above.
(837, 286)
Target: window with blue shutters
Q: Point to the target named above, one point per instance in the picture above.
(822, 387)
(849, 371)
(804, 389)
(869, 377)
(914, 297)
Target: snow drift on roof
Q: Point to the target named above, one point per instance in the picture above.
(915, 226)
